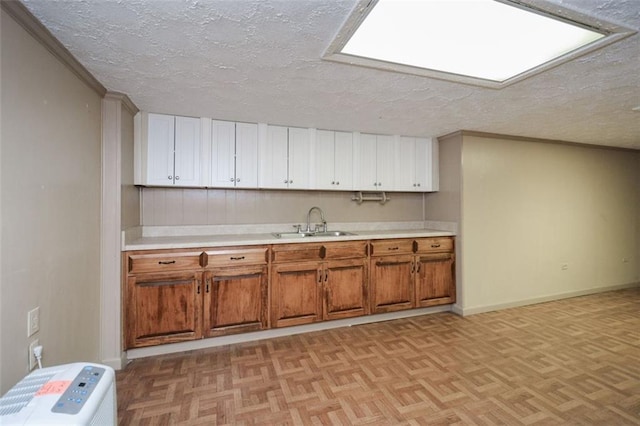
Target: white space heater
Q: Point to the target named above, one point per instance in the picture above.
(72, 394)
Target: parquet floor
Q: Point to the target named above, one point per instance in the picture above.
(574, 361)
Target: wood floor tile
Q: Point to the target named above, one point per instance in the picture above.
(569, 362)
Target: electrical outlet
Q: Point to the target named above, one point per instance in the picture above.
(32, 358)
(33, 321)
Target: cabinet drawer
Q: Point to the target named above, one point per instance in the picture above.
(234, 256)
(432, 245)
(345, 250)
(296, 252)
(161, 262)
(386, 247)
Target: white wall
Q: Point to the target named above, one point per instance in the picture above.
(50, 196)
(529, 207)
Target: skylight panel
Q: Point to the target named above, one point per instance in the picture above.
(475, 41)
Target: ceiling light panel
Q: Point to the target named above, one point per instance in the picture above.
(484, 42)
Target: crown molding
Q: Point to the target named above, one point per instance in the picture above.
(488, 135)
(19, 12)
(126, 101)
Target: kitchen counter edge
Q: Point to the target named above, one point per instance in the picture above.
(188, 242)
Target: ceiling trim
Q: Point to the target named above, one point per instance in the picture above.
(612, 34)
(489, 135)
(126, 101)
(34, 27)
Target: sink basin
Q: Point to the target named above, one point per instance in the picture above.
(292, 234)
(333, 234)
(311, 234)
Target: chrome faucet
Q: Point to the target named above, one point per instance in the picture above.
(324, 222)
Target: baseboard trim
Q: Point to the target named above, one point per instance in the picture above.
(278, 332)
(115, 363)
(489, 308)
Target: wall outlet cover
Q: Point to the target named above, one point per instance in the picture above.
(33, 321)
(32, 358)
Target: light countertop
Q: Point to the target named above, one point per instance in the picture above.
(171, 238)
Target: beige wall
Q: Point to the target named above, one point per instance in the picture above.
(446, 204)
(130, 194)
(225, 207)
(50, 192)
(529, 207)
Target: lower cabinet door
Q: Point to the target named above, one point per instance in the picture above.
(235, 300)
(163, 308)
(435, 283)
(296, 293)
(345, 284)
(392, 283)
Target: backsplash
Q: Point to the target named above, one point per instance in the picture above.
(172, 206)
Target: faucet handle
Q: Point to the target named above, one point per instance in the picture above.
(297, 228)
(319, 227)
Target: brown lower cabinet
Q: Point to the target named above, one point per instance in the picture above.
(178, 295)
(411, 273)
(315, 282)
(162, 308)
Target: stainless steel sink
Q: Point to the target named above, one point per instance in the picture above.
(311, 234)
(332, 234)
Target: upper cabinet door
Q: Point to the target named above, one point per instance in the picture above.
(343, 161)
(423, 165)
(187, 152)
(273, 158)
(365, 177)
(419, 171)
(407, 157)
(223, 135)
(385, 162)
(299, 158)
(246, 155)
(324, 158)
(160, 130)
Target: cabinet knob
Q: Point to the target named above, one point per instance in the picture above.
(375, 183)
(286, 181)
(418, 183)
(238, 180)
(414, 185)
(337, 183)
(232, 180)
(169, 177)
(177, 177)
(333, 182)
(379, 183)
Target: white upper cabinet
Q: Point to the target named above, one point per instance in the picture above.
(167, 150)
(187, 152)
(417, 158)
(285, 157)
(374, 162)
(333, 160)
(234, 155)
(246, 155)
(201, 152)
(160, 144)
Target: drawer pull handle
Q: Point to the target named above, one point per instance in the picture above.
(236, 258)
(393, 248)
(166, 262)
(435, 245)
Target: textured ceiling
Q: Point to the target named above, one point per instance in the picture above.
(260, 61)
